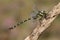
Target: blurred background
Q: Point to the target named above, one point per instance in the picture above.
(13, 11)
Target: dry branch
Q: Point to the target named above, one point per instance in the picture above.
(45, 23)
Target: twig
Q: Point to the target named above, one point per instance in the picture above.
(45, 23)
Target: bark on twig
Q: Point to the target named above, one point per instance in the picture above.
(45, 23)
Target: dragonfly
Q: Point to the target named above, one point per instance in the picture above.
(39, 14)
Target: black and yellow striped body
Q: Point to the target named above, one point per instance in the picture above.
(41, 15)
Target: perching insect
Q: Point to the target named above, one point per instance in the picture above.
(40, 14)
